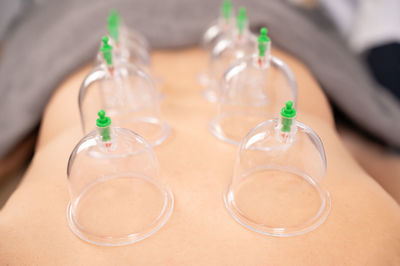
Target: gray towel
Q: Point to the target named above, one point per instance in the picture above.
(56, 37)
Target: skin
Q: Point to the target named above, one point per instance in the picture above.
(363, 227)
(376, 160)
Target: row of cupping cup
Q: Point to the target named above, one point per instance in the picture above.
(117, 195)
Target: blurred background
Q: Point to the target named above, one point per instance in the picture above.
(352, 47)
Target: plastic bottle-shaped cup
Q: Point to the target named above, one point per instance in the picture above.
(117, 196)
(253, 89)
(224, 24)
(229, 47)
(278, 183)
(127, 94)
(129, 44)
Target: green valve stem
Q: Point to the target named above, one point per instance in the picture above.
(226, 9)
(288, 114)
(103, 123)
(241, 20)
(106, 50)
(113, 23)
(263, 41)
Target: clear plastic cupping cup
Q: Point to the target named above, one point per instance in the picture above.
(127, 94)
(278, 183)
(224, 24)
(228, 48)
(128, 44)
(253, 89)
(117, 195)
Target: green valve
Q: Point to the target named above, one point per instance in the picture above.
(241, 19)
(263, 41)
(226, 9)
(287, 113)
(113, 23)
(104, 122)
(106, 50)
